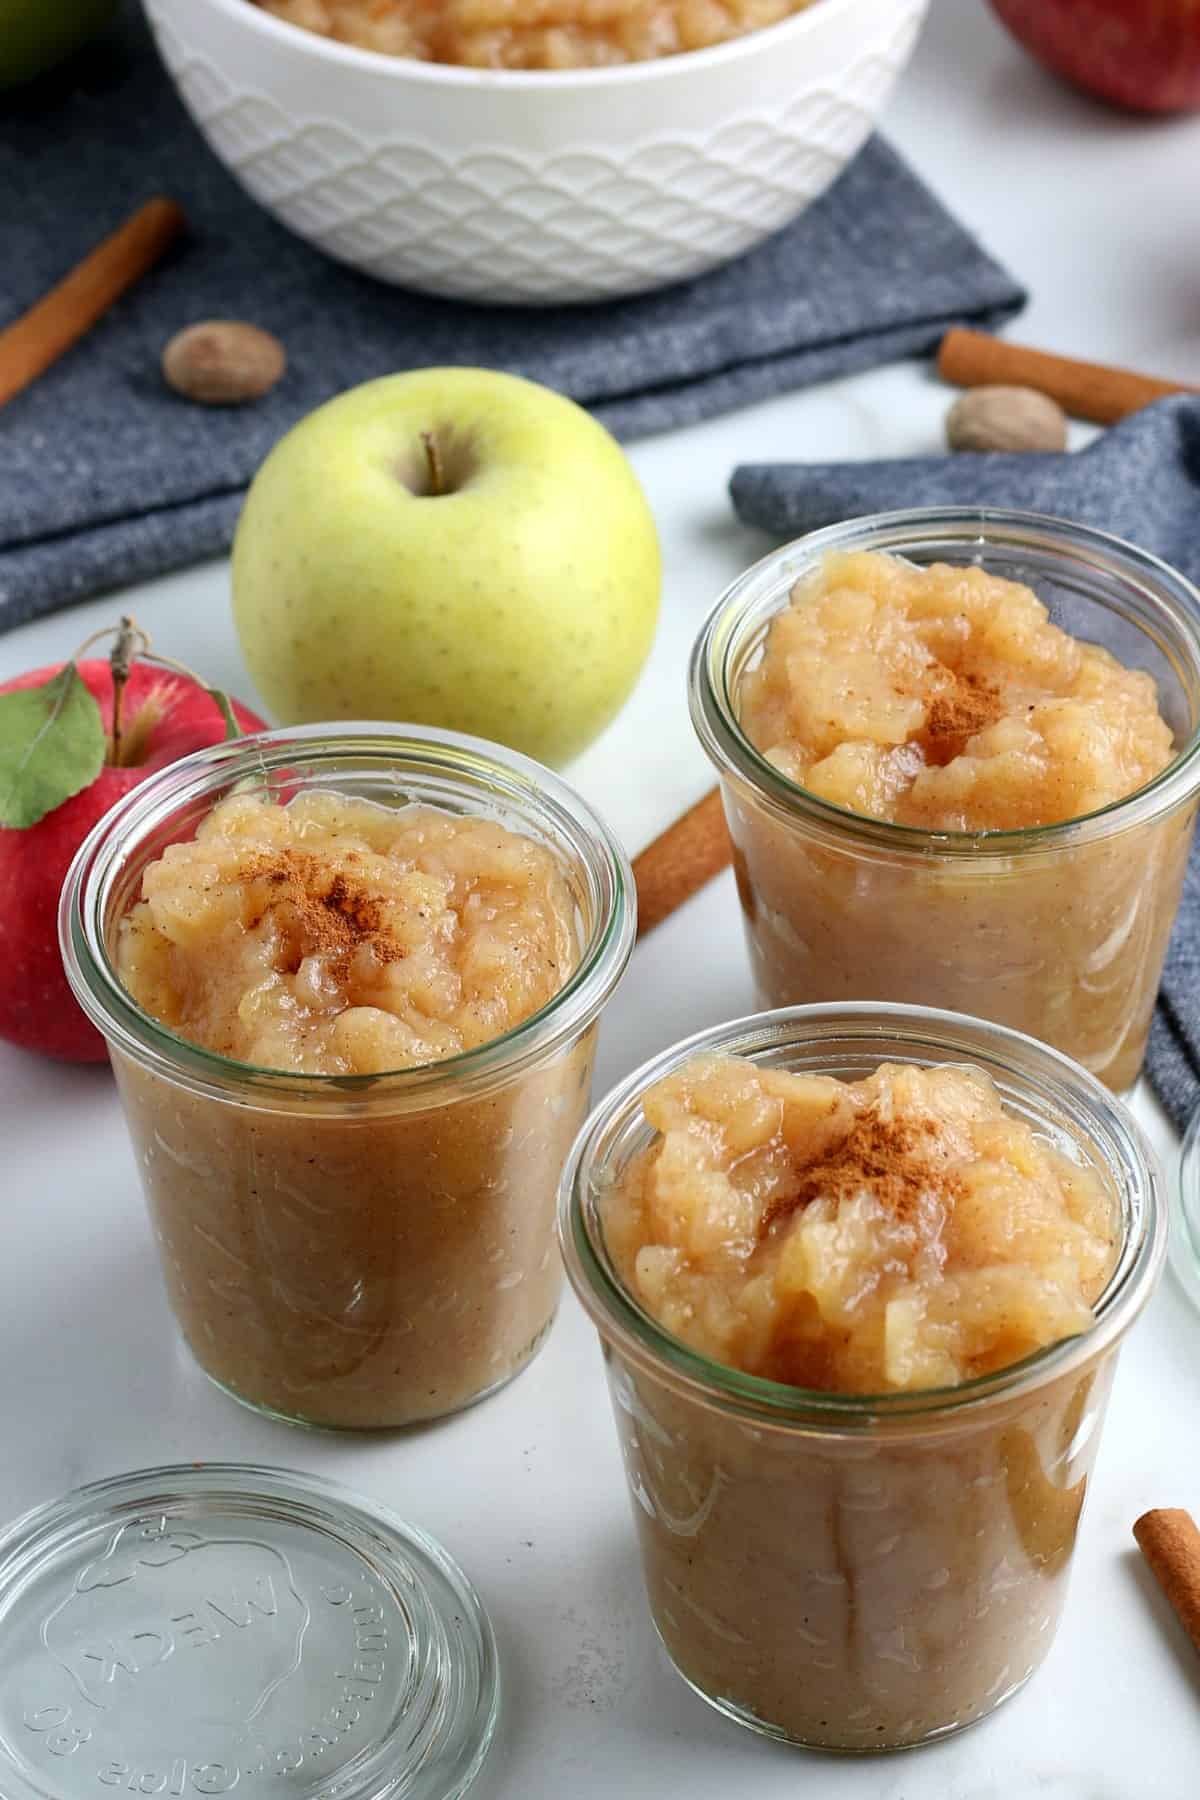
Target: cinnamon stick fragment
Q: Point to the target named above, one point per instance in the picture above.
(680, 862)
(1086, 390)
(60, 318)
(1170, 1542)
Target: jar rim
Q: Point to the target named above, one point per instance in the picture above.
(1026, 1064)
(408, 751)
(716, 723)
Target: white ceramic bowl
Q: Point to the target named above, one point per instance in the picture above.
(539, 187)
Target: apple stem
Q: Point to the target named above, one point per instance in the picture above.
(133, 643)
(433, 457)
(129, 639)
(96, 637)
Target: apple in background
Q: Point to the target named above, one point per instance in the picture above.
(36, 34)
(165, 716)
(449, 547)
(1143, 54)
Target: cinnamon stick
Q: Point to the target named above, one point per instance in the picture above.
(681, 861)
(1170, 1542)
(60, 318)
(1087, 390)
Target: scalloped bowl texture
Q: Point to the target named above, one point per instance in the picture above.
(535, 187)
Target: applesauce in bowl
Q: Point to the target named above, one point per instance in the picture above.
(860, 1274)
(350, 981)
(960, 757)
(533, 34)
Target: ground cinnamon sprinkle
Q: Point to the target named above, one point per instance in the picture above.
(887, 1156)
(967, 706)
(327, 911)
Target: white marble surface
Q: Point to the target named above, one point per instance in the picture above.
(1099, 214)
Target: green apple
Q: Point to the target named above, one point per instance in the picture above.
(35, 34)
(449, 547)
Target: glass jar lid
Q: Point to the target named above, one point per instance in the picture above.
(193, 1631)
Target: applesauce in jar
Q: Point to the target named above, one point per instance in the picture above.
(945, 788)
(897, 1232)
(859, 1274)
(532, 34)
(333, 936)
(353, 1028)
(945, 698)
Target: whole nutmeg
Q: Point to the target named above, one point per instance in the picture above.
(223, 362)
(1006, 418)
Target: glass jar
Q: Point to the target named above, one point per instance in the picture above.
(368, 1250)
(1185, 1213)
(861, 1572)
(1059, 931)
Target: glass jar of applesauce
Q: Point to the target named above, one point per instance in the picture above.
(370, 1249)
(1058, 930)
(846, 1571)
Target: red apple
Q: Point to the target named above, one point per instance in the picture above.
(1143, 54)
(164, 716)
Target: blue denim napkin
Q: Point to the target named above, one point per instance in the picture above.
(1140, 480)
(108, 477)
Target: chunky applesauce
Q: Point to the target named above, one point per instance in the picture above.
(336, 937)
(897, 1232)
(945, 700)
(871, 1582)
(944, 697)
(378, 1257)
(532, 34)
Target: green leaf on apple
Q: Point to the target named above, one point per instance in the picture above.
(51, 747)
